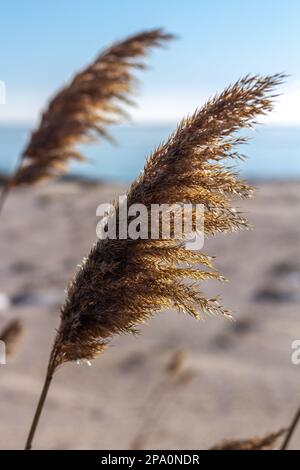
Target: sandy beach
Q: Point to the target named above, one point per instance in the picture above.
(242, 382)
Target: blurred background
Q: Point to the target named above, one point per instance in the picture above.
(44, 45)
(235, 379)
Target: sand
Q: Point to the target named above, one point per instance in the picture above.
(243, 382)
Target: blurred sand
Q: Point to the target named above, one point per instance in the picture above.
(244, 383)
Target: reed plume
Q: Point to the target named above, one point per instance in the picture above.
(84, 109)
(124, 282)
(11, 336)
(267, 442)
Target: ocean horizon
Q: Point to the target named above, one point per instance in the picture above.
(273, 152)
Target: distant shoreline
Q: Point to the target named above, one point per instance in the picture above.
(90, 181)
(273, 151)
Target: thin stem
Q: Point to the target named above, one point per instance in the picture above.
(40, 406)
(291, 430)
(9, 184)
(4, 193)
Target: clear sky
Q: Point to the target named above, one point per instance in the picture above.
(44, 43)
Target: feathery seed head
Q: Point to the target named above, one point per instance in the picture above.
(86, 107)
(124, 282)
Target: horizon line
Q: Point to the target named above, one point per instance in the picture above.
(15, 123)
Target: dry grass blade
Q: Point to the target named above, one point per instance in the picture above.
(124, 282)
(291, 430)
(267, 442)
(86, 107)
(11, 335)
(175, 375)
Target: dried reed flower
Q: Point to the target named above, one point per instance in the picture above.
(84, 109)
(11, 335)
(123, 282)
(257, 443)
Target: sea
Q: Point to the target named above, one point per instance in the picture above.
(273, 152)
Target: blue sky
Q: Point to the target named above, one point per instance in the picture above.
(44, 43)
